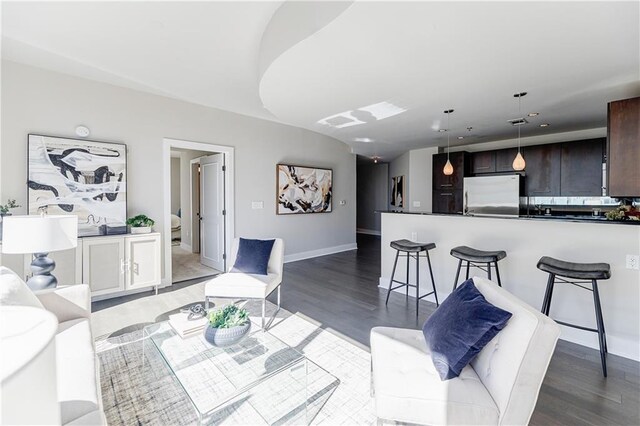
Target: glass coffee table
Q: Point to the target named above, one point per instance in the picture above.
(261, 380)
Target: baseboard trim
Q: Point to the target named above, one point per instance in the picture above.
(368, 231)
(320, 252)
(185, 246)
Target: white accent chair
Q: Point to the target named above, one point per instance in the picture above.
(499, 387)
(76, 372)
(233, 285)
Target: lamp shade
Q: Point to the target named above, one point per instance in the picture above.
(39, 234)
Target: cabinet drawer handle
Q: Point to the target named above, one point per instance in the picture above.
(446, 184)
(446, 193)
(483, 167)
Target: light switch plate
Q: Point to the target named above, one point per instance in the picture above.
(343, 202)
(416, 204)
(257, 205)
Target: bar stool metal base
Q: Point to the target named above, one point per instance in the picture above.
(578, 274)
(484, 267)
(412, 255)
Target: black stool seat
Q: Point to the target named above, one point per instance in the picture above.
(578, 271)
(411, 246)
(473, 255)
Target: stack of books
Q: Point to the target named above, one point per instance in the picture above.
(185, 327)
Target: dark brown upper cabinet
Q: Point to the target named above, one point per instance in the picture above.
(460, 162)
(542, 170)
(483, 162)
(623, 148)
(504, 159)
(581, 168)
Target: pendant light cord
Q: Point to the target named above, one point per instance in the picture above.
(520, 114)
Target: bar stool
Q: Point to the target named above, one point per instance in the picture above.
(412, 250)
(477, 259)
(576, 274)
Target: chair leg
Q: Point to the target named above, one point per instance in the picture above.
(407, 278)
(433, 282)
(278, 297)
(468, 266)
(417, 283)
(455, 282)
(600, 325)
(206, 303)
(264, 312)
(604, 333)
(489, 270)
(552, 279)
(498, 273)
(393, 274)
(543, 308)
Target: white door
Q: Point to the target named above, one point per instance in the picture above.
(212, 211)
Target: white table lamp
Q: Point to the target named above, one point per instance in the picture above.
(40, 235)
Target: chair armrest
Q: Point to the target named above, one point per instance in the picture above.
(67, 302)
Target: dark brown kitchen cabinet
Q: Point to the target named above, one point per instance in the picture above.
(460, 162)
(483, 162)
(542, 170)
(581, 168)
(623, 148)
(504, 159)
(447, 201)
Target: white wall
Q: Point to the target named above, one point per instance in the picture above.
(525, 242)
(175, 184)
(400, 167)
(420, 179)
(40, 101)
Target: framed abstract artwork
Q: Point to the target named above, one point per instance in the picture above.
(397, 191)
(80, 177)
(303, 189)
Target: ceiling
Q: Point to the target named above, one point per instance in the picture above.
(376, 75)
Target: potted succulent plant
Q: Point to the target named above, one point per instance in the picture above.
(4, 211)
(140, 224)
(227, 326)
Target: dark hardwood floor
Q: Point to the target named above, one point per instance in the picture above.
(341, 293)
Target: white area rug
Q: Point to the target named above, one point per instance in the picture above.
(148, 394)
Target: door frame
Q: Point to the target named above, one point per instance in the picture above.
(229, 198)
(194, 196)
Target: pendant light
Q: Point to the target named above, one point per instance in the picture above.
(448, 167)
(518, 162)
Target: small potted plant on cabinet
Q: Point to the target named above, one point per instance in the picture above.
(227, 326)
(140, 224)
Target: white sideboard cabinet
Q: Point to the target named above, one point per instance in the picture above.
(112, 265)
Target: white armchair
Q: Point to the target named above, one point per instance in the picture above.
(500, 386)
(249, 286)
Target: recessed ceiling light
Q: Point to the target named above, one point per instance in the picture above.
(533, 114)
(544, 125)
(460, 137)
(442, 130)
(364, 140)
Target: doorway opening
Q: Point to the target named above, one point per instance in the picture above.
(198, 209)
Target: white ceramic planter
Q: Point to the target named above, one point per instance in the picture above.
(141, 230)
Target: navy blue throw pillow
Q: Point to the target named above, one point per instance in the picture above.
(458, 330)
(253, 256)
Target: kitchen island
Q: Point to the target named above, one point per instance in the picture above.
(526, 240)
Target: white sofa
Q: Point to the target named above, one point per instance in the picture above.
(499, 387)
(76, 365)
